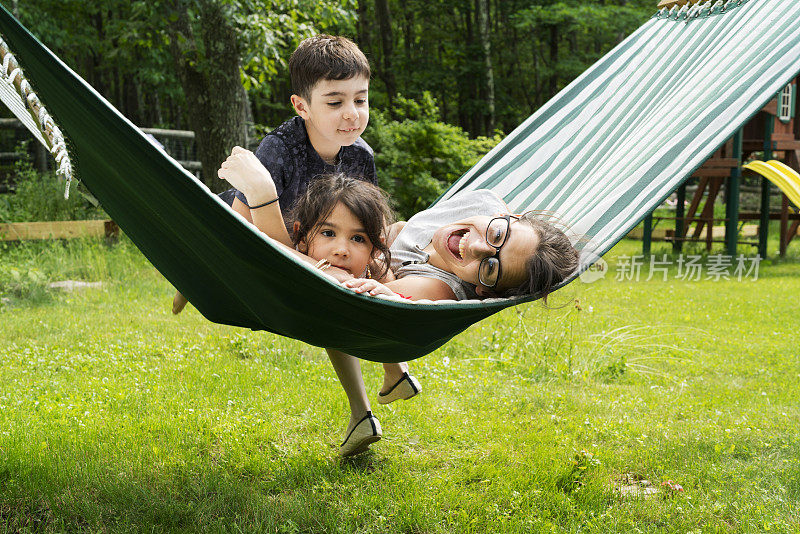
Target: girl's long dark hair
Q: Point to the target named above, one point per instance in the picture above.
(366, 201)
(554, 259)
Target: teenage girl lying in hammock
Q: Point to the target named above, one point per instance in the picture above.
(464, 248)
(339, 225)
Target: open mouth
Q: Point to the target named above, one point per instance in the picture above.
(456, 243)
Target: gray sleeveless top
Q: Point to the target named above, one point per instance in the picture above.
(419, 230)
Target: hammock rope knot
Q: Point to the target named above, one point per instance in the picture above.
(12, 75)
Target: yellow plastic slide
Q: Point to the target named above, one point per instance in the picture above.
(781, 175)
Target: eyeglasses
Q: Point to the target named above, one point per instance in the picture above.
(497, 234)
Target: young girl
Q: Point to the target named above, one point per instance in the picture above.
(339, 226)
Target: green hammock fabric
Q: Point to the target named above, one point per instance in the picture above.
(617, 141)
(602, 154)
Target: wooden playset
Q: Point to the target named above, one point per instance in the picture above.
(774, 133)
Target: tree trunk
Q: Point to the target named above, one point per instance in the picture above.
(97, 79)
(444, 97)
(130, 95)
(465, 78)
(554, 59)
(153, 109)
(116, 80)
(387, 44)
(409, 39)
(573, 44)
(364, 33)
(215, 97)
(487, 78)
(537, 82)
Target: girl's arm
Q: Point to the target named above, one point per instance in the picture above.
(392, 232)
(422, 287)
(242, 209)
(411, 287)
(246, 173)
(376, 266)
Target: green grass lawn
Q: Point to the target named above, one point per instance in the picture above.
(116, 416)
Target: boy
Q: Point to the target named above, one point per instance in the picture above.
(330, 81)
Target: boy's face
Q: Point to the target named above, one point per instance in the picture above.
(336, 114)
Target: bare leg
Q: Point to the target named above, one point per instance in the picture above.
(178, 303)
(348, 369)
(392, 373)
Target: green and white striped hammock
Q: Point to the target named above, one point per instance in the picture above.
(602, 154)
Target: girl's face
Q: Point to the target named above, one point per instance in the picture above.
(341, 240)
(460, 247)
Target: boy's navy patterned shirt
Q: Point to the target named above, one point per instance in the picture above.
(290, 158)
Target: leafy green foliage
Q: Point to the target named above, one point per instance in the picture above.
(586, 29)
(122, 47)
(40, 197)
(125, 50)
(536, 48)
(271, 31)
(27, 284)
(116, 46)
(417, 156)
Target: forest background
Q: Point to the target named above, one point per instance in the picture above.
(450, 77)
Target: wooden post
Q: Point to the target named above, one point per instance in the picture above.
(696, 199)
(784, 238)
(763, 228)
(40, 156)
(669, 3)
(707, 215)
(732, 203)
(58, 230)
(647, 236)
(677, 243)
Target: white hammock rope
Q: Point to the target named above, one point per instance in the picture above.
(17, 94)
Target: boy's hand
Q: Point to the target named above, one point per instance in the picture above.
(245, 172)
(368, 286)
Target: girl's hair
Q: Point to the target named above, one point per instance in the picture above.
(554, 259)
(366, 201)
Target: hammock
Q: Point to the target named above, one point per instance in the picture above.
(603, 153)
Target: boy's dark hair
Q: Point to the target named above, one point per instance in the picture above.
(554, 259)
(325, 57)
(366, 201)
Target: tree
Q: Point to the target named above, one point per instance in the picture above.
(172, 62)
(221, 48)
(387, 47)
(207, 55)
(487, 89)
